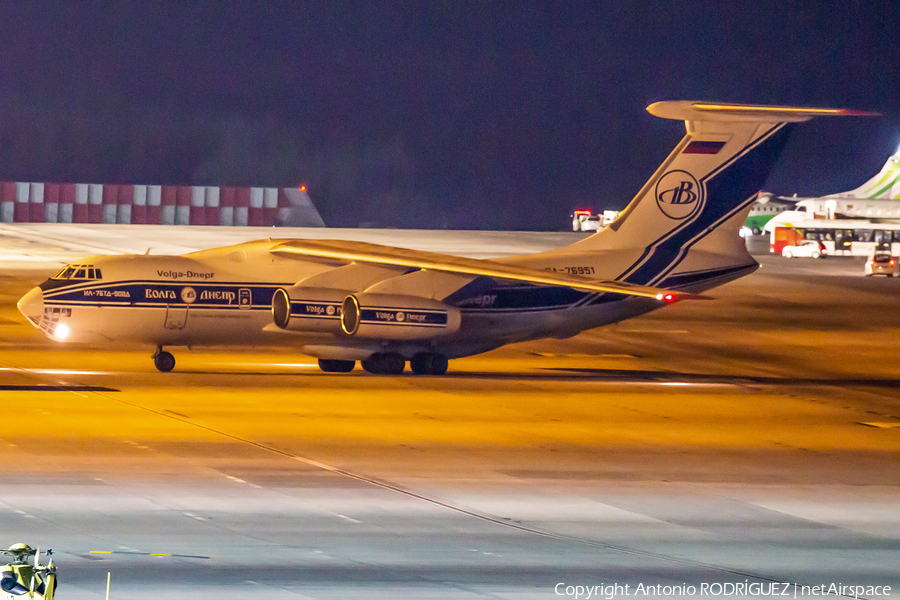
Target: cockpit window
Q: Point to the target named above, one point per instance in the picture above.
(78, 272)
(65, 273)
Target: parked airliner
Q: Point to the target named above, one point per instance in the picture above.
(343, 302)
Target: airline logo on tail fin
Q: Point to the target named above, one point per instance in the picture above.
(679, 195)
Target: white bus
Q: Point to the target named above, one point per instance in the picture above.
(848, 237)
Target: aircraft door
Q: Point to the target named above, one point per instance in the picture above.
(176, 316)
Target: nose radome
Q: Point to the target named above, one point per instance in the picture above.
(32, 305)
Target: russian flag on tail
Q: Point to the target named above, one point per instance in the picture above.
(701, 147)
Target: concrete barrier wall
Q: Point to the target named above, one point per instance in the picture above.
(27, 202)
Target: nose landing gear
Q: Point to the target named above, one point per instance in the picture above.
(164, 361)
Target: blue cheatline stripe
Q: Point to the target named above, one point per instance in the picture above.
(134, 292)
(694, 277)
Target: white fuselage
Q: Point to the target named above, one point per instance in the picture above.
(224, 297)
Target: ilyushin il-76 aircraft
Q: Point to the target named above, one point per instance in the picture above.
(343, 302)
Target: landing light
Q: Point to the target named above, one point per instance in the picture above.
(62, 332)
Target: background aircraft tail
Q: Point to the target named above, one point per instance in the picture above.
(681, 230)
(884, 186)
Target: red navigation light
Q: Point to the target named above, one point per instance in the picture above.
(668, 298)
(302, 188)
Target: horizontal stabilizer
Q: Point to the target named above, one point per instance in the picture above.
(388, 255)
(685, 110)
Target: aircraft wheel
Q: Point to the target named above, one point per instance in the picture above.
(420, 363)
(384, 363)
(439, 364)
(164, 361)
(336, 366)
(426, 363)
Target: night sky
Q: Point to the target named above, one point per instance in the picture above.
(429, 114)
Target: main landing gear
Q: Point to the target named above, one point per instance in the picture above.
(428, 363)
(164, 361)
(384, 363)
(336, 366)
(391, 363)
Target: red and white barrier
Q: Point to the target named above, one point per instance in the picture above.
(66, 203)
(7, 202)
(37, 202)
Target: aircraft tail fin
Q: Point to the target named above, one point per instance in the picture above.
(697, 200)
(884, 186)
(301, 213)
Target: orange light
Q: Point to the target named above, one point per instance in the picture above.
(783, 109)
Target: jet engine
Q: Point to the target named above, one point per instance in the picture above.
(301, 308)
(386, 316)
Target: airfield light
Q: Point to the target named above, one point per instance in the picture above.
(62, 331)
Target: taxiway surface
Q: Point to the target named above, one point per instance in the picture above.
(752, 438)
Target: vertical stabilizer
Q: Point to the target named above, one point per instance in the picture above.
(702, 191)
(884, 186)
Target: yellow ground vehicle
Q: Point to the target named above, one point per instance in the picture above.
(25, 578)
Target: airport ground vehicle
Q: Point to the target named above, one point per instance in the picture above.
(583, 220)
(24, 576)
(805, 248)
(880, 263)
(343, 302)
(844, 237)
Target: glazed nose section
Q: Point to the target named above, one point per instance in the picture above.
(32, 305)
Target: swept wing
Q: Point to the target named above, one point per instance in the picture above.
(363, 252)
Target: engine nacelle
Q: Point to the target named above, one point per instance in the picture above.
(301, 308)
(386, 316)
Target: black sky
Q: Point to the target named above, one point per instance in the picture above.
(481, 115)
